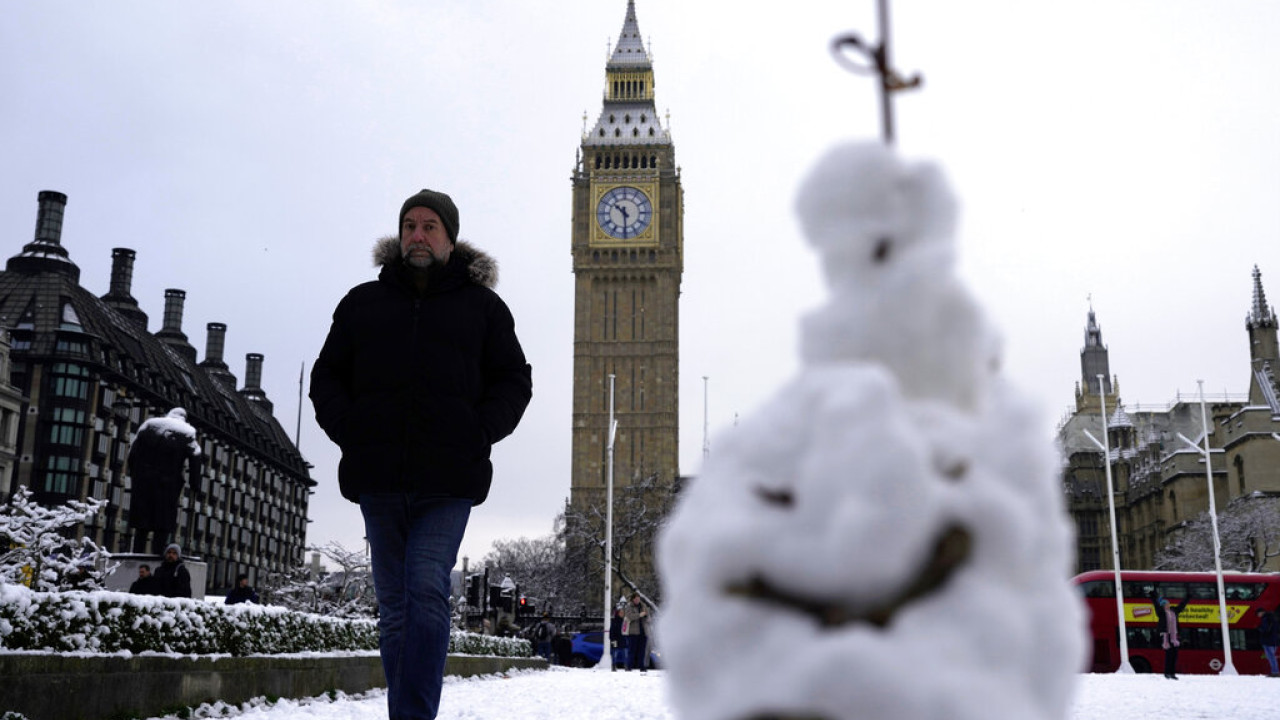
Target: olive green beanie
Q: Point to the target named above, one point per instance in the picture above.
(439, 202)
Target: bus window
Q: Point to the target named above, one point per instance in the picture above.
(1204, 591)
(1244, 591)
(1143, 637)
(1201, 638)
(1098, 589)
(1138, 588)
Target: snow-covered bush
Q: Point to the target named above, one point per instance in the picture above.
(469, 643)
(112, 622)
(37, 553)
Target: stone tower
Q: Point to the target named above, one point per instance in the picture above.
(627, 245)
(1095, 361)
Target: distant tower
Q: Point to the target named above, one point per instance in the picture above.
(1264, 353)
(1094, 361)
(627, 245)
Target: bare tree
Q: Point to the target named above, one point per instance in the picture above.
(640, 510)
(36, 547)
(345, 592)
(1249, 532)
(538, 566)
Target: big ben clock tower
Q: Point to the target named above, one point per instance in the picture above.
(628, 237)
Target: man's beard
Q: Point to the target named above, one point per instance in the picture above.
(421, 261)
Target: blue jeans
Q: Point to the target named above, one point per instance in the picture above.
(414, 542)
(1270, 652)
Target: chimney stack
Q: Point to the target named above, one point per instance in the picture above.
(53, 205)
(253, 381)
(171, 329)
(121, 273)
(174, 302)
(213, 348)
(217, 339)
(120, 296)
(253, 372)
(45, 253)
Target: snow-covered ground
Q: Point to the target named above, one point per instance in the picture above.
(571, 694)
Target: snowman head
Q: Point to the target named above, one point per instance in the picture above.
(866, 210)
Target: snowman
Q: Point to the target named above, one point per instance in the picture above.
(884, 538)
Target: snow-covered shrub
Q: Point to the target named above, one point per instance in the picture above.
(37, 553)
(112, 622)
(468, 643)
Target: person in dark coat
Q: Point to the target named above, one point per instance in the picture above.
(171, 578)
(1167, 628)
(164, 454)
(241, 593)
(145, 584)
(420, 375)
(1269, 637)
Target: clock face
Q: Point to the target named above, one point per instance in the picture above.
(624, 212)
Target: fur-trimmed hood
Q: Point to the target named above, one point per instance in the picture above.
(481, 268)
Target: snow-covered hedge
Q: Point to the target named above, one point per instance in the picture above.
(113, 622)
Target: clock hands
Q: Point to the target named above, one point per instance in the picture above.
(626, 217)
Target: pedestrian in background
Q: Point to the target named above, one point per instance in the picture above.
(1167, 626)
(171, 578)
(241, 593)
(420, 375)
(1269, 637)
(543, 634)
(145, 584)
(636, 620)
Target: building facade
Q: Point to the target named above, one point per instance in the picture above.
(1159, 481)
(85, 373)
(627, 246)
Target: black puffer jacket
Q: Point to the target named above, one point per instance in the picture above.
(415, 387)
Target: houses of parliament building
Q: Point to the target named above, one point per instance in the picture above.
(79, 373)
(1159, 482)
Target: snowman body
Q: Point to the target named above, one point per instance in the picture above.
(884, 538)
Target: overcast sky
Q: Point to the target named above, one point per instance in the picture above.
(252, 152)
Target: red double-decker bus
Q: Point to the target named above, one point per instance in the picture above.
(1199, 625)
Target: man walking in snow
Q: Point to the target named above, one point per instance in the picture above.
(420, 375)
(163, 449)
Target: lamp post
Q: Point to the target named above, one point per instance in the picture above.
(1105, 447)
(606, 655)
(1228, 668)
(706, 439)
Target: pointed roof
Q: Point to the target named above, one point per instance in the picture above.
(1092, 332)
(1260, 314)
(628, 116)
(630, 48)
(1119, 418)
